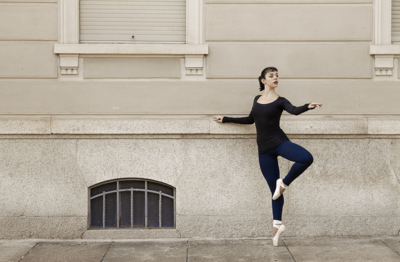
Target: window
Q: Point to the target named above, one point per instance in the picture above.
(133, 21)
(395, 20)
(132, 204)
(189, 45)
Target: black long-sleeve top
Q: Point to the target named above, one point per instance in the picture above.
(267, 118)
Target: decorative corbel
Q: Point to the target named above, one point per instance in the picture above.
(194, 64)
(69, 64)
(384, 65)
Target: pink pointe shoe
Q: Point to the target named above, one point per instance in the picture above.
(278, 230)
(280, 188)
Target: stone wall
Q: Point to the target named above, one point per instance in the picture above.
(48, 164)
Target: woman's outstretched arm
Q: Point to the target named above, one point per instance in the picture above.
(248, 120)
(297, 110)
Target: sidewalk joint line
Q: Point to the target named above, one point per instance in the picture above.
(187, 250)
(28, 252)
(105, 253)
(288, 250)
(390, 247)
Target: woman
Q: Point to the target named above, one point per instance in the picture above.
(272, 141)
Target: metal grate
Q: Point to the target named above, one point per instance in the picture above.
(132, 203)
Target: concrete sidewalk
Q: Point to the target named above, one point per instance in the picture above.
(321, 248)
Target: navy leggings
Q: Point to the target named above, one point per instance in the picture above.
(270, 169)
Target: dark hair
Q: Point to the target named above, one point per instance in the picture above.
(262, 76)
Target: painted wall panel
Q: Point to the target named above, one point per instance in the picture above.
(255, 22)
(27, 60)
(28, 21)
(290, 1)
(132, 67)
(219, 97)
(301, 60)
(29, 1)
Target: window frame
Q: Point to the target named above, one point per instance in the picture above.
(383, 50)
(69, 47)
(118, 190)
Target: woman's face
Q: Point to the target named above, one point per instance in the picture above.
(271, 79)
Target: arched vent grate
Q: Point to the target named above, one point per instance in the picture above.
(131, 204)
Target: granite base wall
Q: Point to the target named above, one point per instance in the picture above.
(352, 188)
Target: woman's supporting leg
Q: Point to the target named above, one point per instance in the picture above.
(270, 170)
(295, 153)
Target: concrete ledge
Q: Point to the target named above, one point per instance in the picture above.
(42, 227)
(131, 234)
(17, 125)
(303, 125)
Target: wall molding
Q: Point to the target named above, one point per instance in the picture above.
(115, 125)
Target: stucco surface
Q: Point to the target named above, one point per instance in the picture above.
(213, 97)
(28, 21)
(132, 67)
(290, 1)
(323, 60)
(21, 59)
(276, 22)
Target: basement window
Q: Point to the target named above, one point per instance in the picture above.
(132, 204)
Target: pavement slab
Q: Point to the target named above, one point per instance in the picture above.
(11, 251)
(393, 243)
(67, 252)
(165, 251)
(337, 248)
(253, 250)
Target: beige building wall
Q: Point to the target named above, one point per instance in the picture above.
(71, 120)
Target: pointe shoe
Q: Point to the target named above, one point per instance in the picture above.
(278, 230)
(280, 188)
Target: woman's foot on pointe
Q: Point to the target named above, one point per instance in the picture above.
(280, 188)
(278, 229)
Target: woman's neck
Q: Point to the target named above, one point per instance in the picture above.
(269, 93)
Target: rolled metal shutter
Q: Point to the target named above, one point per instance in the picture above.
(395, 20)
(133, 20)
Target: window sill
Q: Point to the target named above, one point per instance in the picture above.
(384, 49)
(131, 49)
(69, 54)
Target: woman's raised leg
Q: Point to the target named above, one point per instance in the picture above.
(293, 152)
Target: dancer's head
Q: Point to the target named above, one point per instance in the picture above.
(269, 76)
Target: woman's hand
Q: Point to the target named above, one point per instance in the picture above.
(218, 119)
(314, 105)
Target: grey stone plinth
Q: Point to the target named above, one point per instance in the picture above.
(112, 125)
(67, 251)
(42, 227)
(19, 125)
